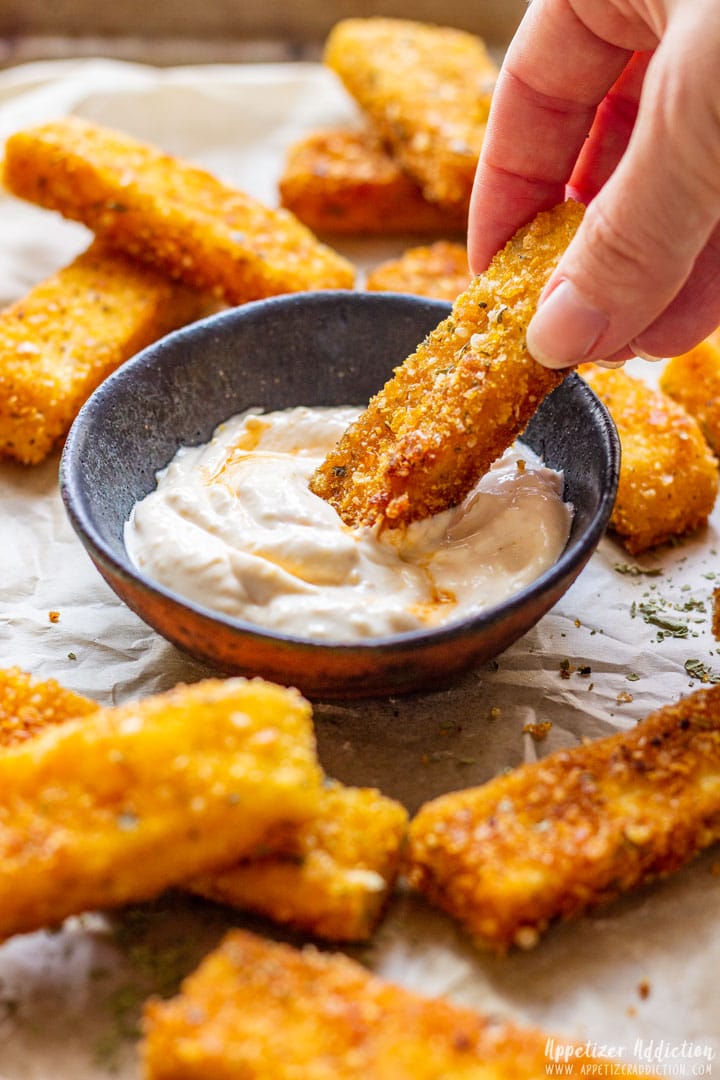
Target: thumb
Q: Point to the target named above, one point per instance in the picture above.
(641, 235)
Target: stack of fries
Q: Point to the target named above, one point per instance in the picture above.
(424, 95)
(173, 242)
(102, 802)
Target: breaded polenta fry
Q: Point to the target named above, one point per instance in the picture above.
(693, 380)
(439, 270)
(426, 90)
(330, 876)
(459, 400)
(124, 802)
(668, 475)
(553, 838)
(29, 706)
(334, 880)
(266, 1011)
(169, 213)
(345, 182)
(69, 333)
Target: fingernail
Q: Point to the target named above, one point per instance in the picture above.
(565, 328)
(645, 355)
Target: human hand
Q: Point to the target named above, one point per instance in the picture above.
(616, 104)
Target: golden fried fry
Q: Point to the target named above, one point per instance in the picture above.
(440, 271)
(124, 802)
(345, 182)
(169, 213)
(577, 828)
(334, 880)
(693, 380)
(329, 876)
(29, 706)
(668, 476)
(426, 90)
(70, 332)
(459, 400)
(263, 1011)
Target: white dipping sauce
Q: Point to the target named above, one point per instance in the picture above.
(233, 526)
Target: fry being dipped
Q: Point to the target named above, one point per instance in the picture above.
(459, 400)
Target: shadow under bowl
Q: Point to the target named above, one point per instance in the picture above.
(323, 348)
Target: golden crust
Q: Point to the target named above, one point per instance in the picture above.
(329, 876)
(264, 1011)
(693, 380)
(59, 342)
(168, 213)
(122, 803)
(439, 270)
(579, 827)
(345, 182)
(668, 475)
(29, 706)
(334, 879)
(459, 400)
(426, 89)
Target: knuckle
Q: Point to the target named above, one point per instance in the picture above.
(623, 252)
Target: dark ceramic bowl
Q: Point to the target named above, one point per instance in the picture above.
(327, 348)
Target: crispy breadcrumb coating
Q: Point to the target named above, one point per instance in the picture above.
(330, 876)
(169, 213)
(29, 706)
(693, 380)
(259, 1010)
(426, 90)
(459, 400)
(59, 342)
(345, 182)
(668, 475)
(577, 828)
(439, 270)
(333, 881)
(122, 803)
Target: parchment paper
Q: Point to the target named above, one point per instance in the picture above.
(646, 968)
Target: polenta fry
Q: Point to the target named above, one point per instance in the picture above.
(265, 1011)
(668, 476)
(550, 839)
(169, 213)
(693, 380)
(29, 706)
(459, 400)
(333, 882)
(426, 90)
(118, 805)
(330, 876)
(69, 333)
(344, 182)
(439, 270)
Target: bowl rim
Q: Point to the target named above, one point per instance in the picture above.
(76, 501)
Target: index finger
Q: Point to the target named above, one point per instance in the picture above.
(554, 76)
